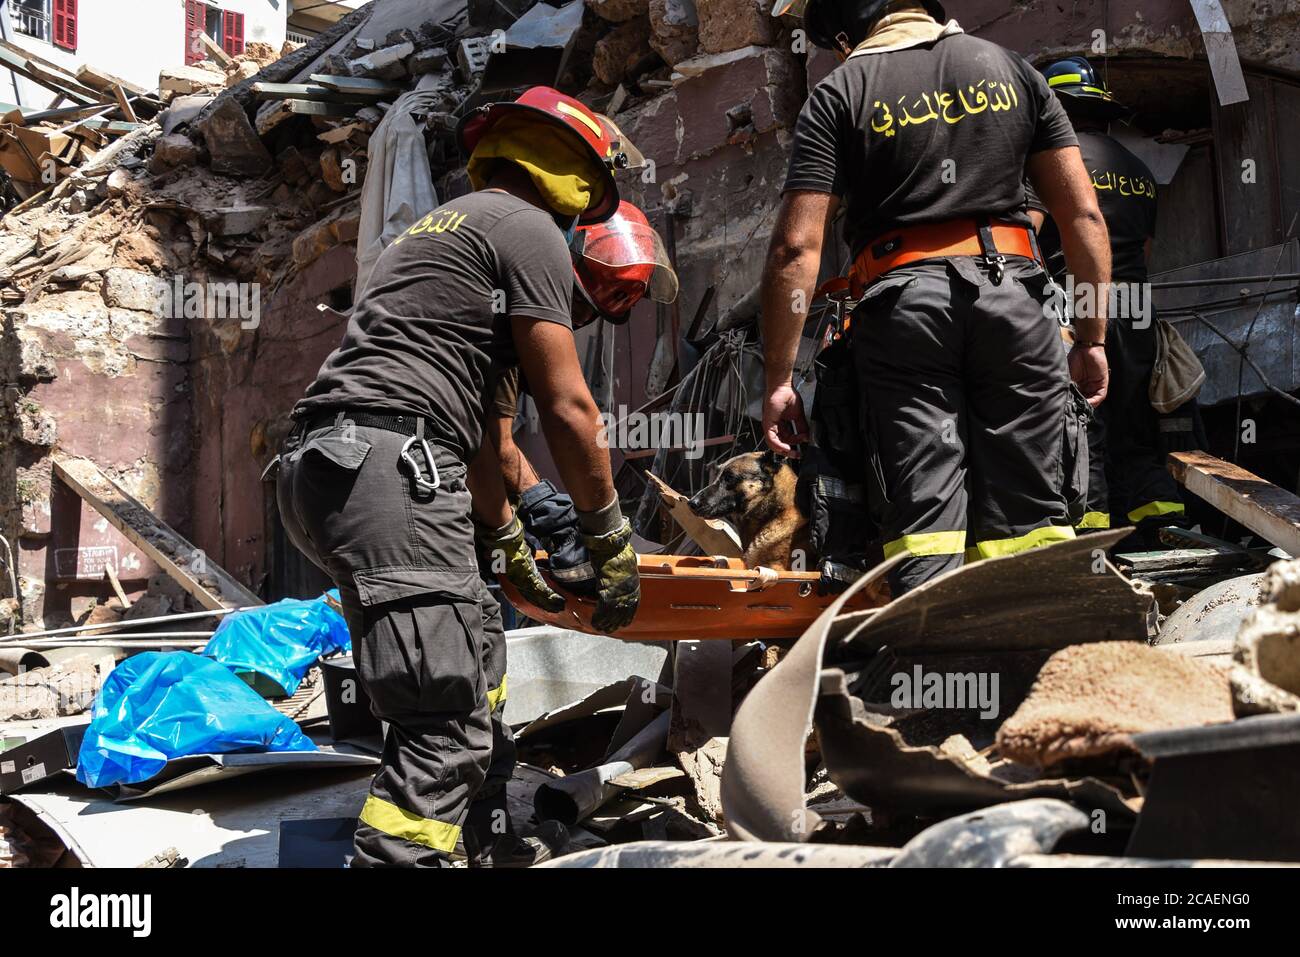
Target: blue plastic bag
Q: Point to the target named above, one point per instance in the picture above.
(280, 641)
(161, 705)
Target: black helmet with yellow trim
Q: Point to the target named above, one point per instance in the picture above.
(1083, 93)
(835, 24)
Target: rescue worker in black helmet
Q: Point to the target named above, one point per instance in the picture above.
(386, 482)
(1128, 440)
(921, 134)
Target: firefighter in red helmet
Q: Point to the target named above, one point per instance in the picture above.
(386, 483)
(616, 263)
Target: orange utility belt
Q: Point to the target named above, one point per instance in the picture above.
(992, 242)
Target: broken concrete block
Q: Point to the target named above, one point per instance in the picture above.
(36, 426)
(231, 141)
(174, 150)
(293, 165)
(618, 11)
(428, 61)
(239, 72)
(333, 170)
(35, 364)
(620, 50)
(313, 242)
(675, 28)
(189, 79)
(472, 55)
(385, 64)
(130, 289)
(235, 220)
(66, 688)
(731, 24)
(347, 227)
(1266, 656)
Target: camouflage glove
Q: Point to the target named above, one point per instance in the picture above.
(619, 591)
(506, 552)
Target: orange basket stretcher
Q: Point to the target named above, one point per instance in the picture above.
(696, 597)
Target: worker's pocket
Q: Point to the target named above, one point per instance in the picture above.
(1074, 455)
(423, 655)
(836, 408)
(338, 447)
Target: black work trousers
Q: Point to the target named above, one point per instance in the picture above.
(965, 387)
(426, 633)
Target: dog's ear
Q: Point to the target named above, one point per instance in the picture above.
(770, 461)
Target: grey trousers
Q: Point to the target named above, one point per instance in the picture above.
(426, 633)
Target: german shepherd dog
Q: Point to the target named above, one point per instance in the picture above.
(755, 492)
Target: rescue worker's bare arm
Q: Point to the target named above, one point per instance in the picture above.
(570, 418)
(516, 470)
(491, 507)
(789, 281)
(1062, 182)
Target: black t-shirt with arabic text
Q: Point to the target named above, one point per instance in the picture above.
(431, 332)
(931, 133)
(1126, 193)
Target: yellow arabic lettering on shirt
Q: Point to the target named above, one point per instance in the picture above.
(915, 110)
(1108, 181)
(439, 221)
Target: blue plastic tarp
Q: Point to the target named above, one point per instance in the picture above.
(280, 641)
(161, 705)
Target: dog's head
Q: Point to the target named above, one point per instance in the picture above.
(741, 483)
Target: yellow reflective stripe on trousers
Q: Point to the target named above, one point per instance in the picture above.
(996, 547)
(928, 543)
(497, 694)
(1095, 520)
(1152, 509)
(392, 820)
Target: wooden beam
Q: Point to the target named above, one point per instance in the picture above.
(1268, 511)
(311, 92)
(97, 79)
(355, 84)
(124, 104)
(211, 585)
(214, 49)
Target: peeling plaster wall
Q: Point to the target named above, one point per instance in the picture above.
(1266, 32)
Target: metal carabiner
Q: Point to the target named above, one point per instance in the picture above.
(417, 473)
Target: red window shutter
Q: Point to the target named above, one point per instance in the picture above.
(195, 22)
(65, 23)
(232, 32)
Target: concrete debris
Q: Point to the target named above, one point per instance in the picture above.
(234, 146)
(1266, 655)
(1089, 700)
(620, 50)
(67, 688)
(731, 24)
(675, 29)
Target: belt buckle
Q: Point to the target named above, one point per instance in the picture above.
(422, 485)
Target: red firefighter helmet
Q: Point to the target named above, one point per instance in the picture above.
(593, 130)
(620, 261)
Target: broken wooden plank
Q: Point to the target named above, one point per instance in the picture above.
(21, 64)
(354, 84)
(124, 104)
(1270, 512)
(310, 92)
(211, 585)
(310, 108)
(713, 535)
(214, 50)
(98, 79)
